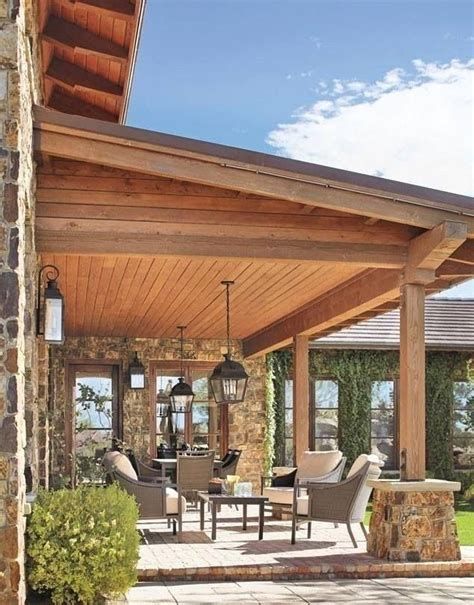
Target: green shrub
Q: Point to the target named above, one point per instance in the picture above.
(82, 544)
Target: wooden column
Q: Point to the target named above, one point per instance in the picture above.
(412, 382)
(300, 397)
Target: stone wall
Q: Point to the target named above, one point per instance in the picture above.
(18, 90)
(246, 421)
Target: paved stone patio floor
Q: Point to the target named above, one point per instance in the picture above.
(238, 554)
(390, 591)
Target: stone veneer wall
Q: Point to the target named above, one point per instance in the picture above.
(18, 90)
(246, 421)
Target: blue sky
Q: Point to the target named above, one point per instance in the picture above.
(377, 87)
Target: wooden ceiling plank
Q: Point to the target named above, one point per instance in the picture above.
(123, 272)
(93, 286)
(117, 9)
(69, 35)
(75, 78)
(72, 264)
(66, 103)
(105, 277)
(84, 267)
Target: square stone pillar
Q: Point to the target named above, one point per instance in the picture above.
(413, 521)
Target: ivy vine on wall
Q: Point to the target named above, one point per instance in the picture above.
(355, 370)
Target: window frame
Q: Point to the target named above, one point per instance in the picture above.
(396, 427)
(454, 408)
(188, 367)
(312, 409)
(88, 365)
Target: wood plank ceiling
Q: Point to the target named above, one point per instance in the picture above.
(88, 49)
(148, 296)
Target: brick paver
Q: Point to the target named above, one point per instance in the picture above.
(239, 555)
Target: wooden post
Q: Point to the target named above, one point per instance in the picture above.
(300, 397)
(412, 382)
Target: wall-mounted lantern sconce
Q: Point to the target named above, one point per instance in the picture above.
(136, 372)
(50, 307)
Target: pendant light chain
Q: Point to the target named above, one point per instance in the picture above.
(182, 348)
(228, 316)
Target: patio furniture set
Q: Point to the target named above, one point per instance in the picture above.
(314, 491)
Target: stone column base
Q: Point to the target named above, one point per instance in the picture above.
(414, 521)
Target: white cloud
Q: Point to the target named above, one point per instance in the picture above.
(415, 127)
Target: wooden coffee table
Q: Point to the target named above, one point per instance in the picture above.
(217, 500)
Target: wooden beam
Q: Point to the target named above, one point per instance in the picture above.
(72, 77)
(300, 397)
(68, 35)
(152, 153)
(61, 101)
(357, 296)
(117, 9)
(430, 249)
(453, 269)
(71, 237)
(412, 383)
(465, 253)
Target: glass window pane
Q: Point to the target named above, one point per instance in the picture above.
(326, 423)
(385, 450)
(288, 423)
(288, 393)
(326, 393)
(325, 445)
(383, 394)
(200, 413)
(200, 384)
(288, 452)
(383, 423)
(93, 398)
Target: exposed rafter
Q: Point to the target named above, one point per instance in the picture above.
(69, 35)
(73, 78)
(70, 104)
(120, 9)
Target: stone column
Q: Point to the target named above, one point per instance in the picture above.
(414, 521)
(18, 69)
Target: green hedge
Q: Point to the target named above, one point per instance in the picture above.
(355, 370)
(82, 544)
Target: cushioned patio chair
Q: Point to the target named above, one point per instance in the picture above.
(343, 502)
(193, 474)
(156, 500)
(144, 472)
(324, 467)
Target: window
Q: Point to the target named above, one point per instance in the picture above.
(94, 417)
(326, 401)
(463, 425)
(382, 422)
(206, 426)
(288, 454)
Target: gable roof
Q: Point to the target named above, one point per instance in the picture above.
(449, 325)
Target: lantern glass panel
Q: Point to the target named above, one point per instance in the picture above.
(137, 378)
(53, 320)
(229, 390)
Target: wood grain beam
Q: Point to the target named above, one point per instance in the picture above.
(73, 78)
(430, 249)
(117, 9)
(150, 153)
(68, 35)
(66, 103)
(300, 397)
(108, 239)
(453, 269)
(357, 296)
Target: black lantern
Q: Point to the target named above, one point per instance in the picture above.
(229, 379)
(181, 396)
(136, 372)
(50, 314)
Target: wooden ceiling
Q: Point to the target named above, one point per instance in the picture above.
(88, 52)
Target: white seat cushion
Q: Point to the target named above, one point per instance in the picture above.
(361, 460)
(317, 464)
(283, 470)
(279, 495)
(302, 505)
(172, 502)
(122, 464)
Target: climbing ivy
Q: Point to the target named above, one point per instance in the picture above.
(355, 370)
(269, 439)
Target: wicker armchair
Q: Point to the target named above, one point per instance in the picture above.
(229, 464)
(343, 502)
(145, 473)
(318, 467)
(156, 500)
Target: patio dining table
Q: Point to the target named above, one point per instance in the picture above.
(166, 464)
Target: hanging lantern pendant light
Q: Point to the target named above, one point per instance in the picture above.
(229, 378)
(181, 396)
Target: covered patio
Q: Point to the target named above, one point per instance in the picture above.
(143, 227)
